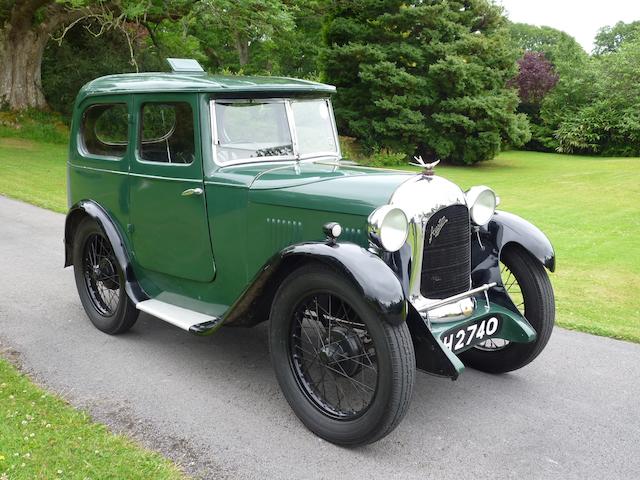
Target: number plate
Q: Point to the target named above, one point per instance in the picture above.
(463, 337)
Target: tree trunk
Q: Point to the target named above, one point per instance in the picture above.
(22, 43)
(242, 46)
(21, 51)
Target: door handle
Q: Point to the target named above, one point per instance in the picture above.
(192, 191)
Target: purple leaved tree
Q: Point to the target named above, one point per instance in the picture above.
(536, 77)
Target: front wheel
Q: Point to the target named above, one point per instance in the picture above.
(346, 373)
(527, 283)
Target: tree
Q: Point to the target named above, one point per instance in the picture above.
(242, 22)
(610, 38)
(609, 123)
(26, 26)
(285, 39)
(424, 77)
(557, 46)
(69, 64)
(573, 87)
(536, 77)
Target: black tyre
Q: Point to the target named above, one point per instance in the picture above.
(100, 281)
(528, 285)
(346, 373)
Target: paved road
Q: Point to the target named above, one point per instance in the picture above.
(213, 404)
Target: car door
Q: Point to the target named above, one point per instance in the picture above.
(169, 225)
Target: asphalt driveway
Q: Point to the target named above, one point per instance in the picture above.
(213, 403)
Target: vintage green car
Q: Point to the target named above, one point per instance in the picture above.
(218, 200)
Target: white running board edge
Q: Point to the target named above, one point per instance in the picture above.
(189, 320)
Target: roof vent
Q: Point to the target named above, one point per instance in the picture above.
(185, 65)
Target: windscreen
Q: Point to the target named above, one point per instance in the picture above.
(249, 130)
(265, 130)
(313, 126)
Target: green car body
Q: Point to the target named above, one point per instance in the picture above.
(218, 239)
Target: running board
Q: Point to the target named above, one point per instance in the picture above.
(189, 320)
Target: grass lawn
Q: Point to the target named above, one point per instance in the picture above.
(588, 206)
(43, 182)
(41, 437)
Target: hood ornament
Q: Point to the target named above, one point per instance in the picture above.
(427, 167)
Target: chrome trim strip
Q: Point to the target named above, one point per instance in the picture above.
(171, 179)
(459, 296)
(142, 175)
(292, 130)
(269, 170)
(104, 170)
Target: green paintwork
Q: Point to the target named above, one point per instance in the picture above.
(170, 232)
(515, 328)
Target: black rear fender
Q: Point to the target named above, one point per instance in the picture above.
(90, 209)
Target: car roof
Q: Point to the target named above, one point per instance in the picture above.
(199, 82)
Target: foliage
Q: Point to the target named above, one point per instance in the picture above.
(609, 123)
(43, 437)
(203, 34)
(558, 46)
(610, 38)
(281, 38)
(35, 125)
(79, 48)
(571, 65)
(243, 22)
(536, 77)
(425, 77)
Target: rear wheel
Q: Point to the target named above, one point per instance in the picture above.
(528, 285)
(100, 280)
(347, 373)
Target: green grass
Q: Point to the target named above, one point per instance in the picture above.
(37, 125)
(588, 206)
(34, 172)
(42, 437)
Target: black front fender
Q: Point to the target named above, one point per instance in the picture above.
(487, 244)
(91, 209)
(371, 277)
(505, 228)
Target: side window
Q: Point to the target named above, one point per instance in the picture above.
(105, 129)
(167, 134)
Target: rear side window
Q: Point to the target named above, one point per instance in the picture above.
(167, 134)
(105, 130)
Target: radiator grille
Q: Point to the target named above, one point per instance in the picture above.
(446, 261)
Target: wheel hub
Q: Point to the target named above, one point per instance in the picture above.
(105, 273)
(343, 351)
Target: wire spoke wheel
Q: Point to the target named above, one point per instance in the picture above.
(101, 275)
(333, 356)
(346, 371)
(525, 280)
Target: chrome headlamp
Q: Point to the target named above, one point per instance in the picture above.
(388, 228)
(482, 204)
